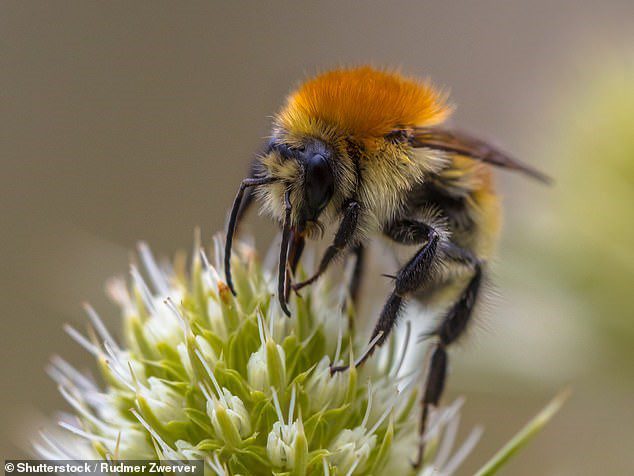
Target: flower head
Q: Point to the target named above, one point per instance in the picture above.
(201, 374)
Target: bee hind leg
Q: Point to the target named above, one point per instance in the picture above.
(451, 327)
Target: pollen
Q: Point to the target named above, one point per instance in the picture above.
(364, 102)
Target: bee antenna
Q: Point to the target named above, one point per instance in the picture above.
(233, 222)
(283, 274)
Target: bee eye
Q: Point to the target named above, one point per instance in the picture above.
(319, 184)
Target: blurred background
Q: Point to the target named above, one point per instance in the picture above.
(123, 121)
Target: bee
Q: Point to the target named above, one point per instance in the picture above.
(368, 149)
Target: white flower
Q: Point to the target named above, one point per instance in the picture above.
(165, 403)
(351, 449)
(286, 444)
(203, 375)
(325, 389)
(257, 374)
(229, 418)
(281, 444)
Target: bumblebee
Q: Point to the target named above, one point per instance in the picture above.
(367, 148)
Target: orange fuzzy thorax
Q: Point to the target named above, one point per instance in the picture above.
(364, 103)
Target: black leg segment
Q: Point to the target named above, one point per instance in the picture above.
(283, 266)
(458, 317)
(434, 386)
(345, 233)
(436, 378)
(357, 273)
(234, 219)
(296, 248)
(449, 330)
(411, 277)
(407, 232)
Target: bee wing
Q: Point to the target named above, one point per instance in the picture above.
(463, 144)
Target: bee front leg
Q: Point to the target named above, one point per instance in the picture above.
(296, 248)
(237, 212)
(344, 235)
(241, 205)
(249, 196)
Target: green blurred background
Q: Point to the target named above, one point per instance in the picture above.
(123, 121)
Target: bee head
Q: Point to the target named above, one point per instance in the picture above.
(302, 181)
(318, 179)
(310, 171)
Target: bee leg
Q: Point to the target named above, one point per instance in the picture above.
(355, 284)
(241, 205)
(411, 277)
(249, 196)
(344, 235)
(357, 272)
(448, 331)
(296, 249)
(237, 212)
(247, 201)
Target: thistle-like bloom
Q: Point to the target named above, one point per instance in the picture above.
(203, 375)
